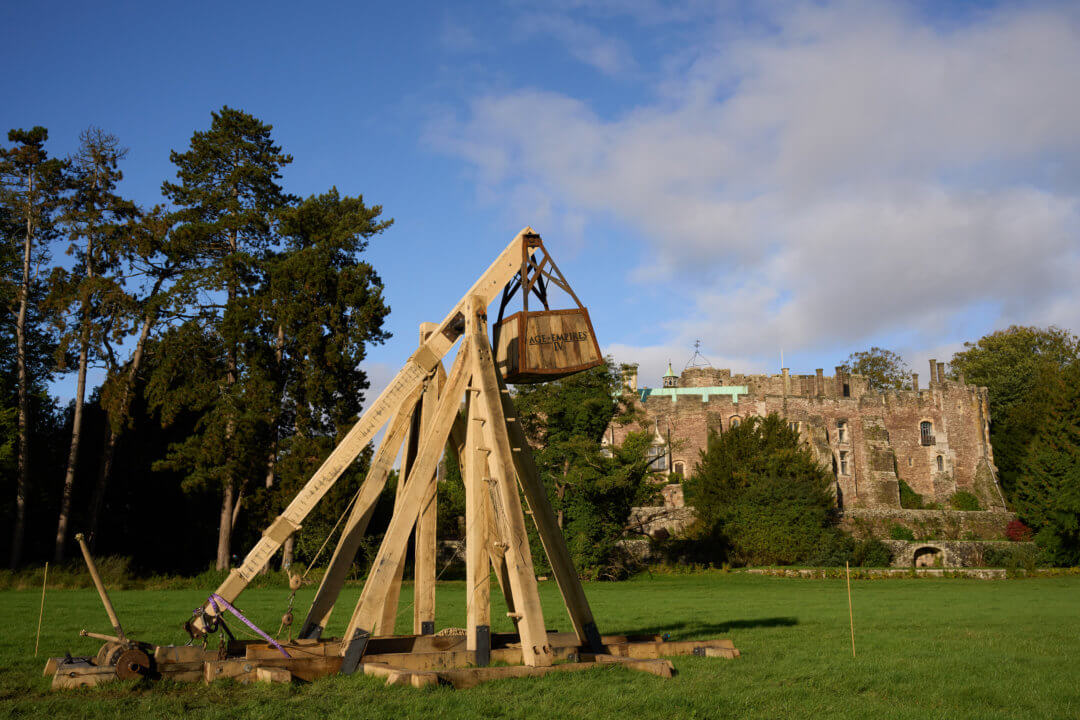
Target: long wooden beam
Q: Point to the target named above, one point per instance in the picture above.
(393, 547)
(355, 527)
(418, 366)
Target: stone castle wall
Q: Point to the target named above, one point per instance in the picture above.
(869, 439)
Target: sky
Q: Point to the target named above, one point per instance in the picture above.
(809, 179)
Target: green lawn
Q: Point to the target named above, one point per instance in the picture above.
(926, 649)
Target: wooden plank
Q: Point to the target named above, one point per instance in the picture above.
(501, 465)
(334, 579)
(378, 413)
(463, 678)
(425, 543)
(659, 667)
(562, 567)
(477, 566)
(392, 550)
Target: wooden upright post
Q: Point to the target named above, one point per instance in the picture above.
(477, 568)
(535, 648)
(425, 545)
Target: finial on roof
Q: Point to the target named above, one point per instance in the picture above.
(693, 363)
(670, 372)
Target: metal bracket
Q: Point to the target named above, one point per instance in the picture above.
(355, 651)
(427, 627)
(483, 645)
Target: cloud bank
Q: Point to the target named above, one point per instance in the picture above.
(852, 171)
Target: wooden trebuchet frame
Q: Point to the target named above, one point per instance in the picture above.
(426, 411)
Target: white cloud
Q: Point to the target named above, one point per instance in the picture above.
(855, 171)
(582, 41)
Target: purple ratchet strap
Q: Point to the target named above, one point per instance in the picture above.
(214, 598)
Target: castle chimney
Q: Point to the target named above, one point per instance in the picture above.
(839, 381)
(933, 371)
(941, 373)
(962, 380)
(915, 382)
(786, 372)
(820, 387)
(631, 377)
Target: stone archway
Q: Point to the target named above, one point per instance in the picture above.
(928, 556)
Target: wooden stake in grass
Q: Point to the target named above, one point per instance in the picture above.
(851, 614)
(41, 613)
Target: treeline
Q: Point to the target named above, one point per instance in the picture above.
(227, 323)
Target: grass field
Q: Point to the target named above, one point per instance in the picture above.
(926, 649)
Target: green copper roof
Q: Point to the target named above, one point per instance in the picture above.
(705, 392)
(670, 372)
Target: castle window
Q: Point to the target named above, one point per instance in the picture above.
(680, 467)
(841, 432)
(926, 433)
(843, 462)
(847, 390)
(657, 458)
(734, 421)
(940, 464)
(793, 427)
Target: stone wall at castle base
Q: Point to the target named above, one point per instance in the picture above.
(957, 553)
(927, 524)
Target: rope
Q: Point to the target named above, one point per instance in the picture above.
(215, 598)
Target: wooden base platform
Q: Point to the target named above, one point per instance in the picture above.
(416, 660)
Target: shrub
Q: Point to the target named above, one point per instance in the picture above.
(963, 500)
(899, 532)
(909, 499)
(761, 496)
(1012, 557)
(872, 553)
(1017, 531)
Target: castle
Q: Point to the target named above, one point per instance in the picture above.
(934, 438)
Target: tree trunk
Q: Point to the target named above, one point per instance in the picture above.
(23, 482)
(225, 528)
(119, 422)
(73, 453)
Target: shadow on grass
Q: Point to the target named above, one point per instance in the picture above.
(698, 630)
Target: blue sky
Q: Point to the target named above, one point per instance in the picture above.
(807, 177)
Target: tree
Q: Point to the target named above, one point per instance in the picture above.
(148, 253)
(884, 369)
(31, 185)
(760, 495)
(592, 486)
(1017, 365)
(227, 197)
(1047, 489)
(323, 306)
(86, 300)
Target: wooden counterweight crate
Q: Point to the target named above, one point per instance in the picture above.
(541, 345)
(546, 345)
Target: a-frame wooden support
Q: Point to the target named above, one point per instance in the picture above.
(497, 466)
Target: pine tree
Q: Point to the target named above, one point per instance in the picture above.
(88, 300)
(1047, 490)
(227, 196)
(324, 306)
(31, 185)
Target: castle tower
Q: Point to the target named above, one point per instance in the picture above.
(670, 378)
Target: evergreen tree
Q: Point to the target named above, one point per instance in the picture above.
(87, 300)
(323, 306)
(31, 185)
(227, 195)
(760, 495)
(1047, 489)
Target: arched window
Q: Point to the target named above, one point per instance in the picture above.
(657, 457)
(940, 464)
(926, 433)
(680, 467)
(734, 421)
